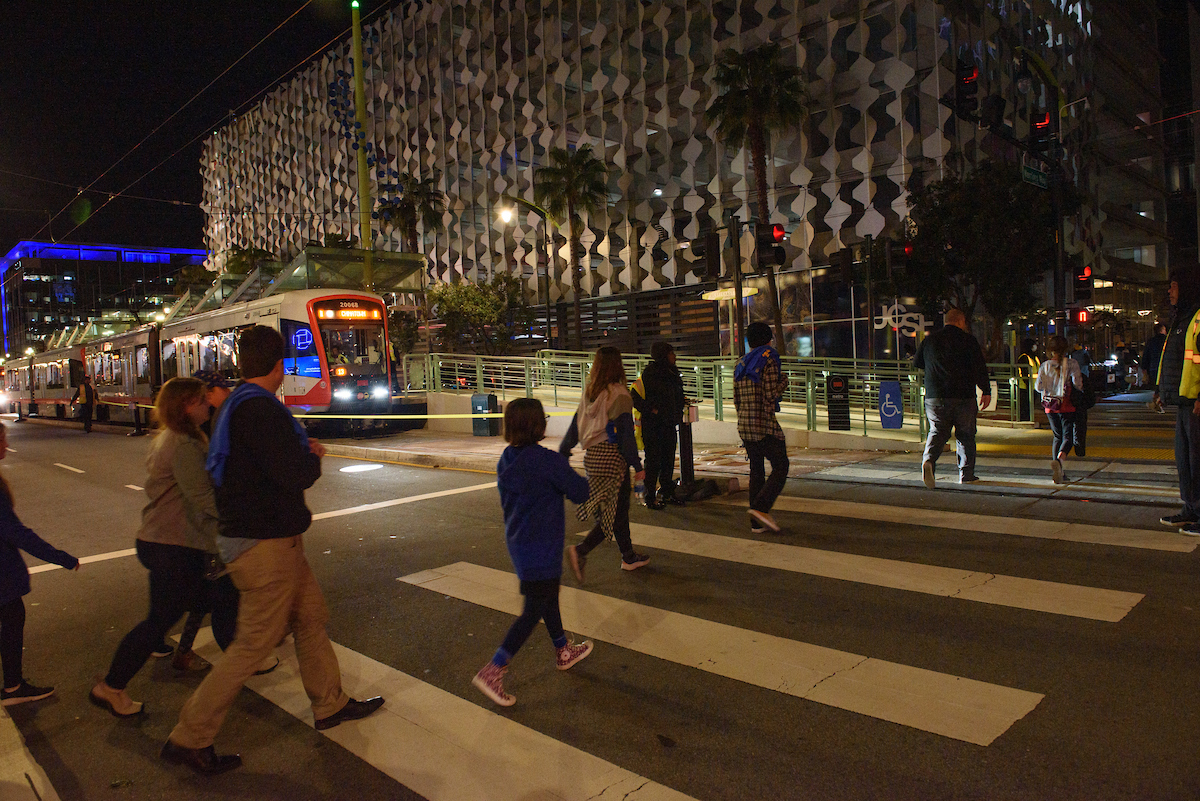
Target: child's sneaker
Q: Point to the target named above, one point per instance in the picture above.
(26, 692)
(571, 653)
(490, 681)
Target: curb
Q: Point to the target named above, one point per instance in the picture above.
(21, 777)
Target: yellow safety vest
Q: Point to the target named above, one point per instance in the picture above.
(1034, 363)
(1189, 382)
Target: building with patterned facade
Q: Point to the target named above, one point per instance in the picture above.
(475, 93)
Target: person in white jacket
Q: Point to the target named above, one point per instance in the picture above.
(1054, 380)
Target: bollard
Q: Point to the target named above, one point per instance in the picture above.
(137, 422)
(689, 488)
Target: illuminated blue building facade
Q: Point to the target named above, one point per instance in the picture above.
(48, 286)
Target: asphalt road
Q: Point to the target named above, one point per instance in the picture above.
(1118, 719)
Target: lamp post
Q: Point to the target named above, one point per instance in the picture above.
(366, 241)
(507, 215)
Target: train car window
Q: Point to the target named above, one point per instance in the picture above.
(227, 353)
(54, 379)
(208, 352)
(76, 367)
(141, 361)
(299, 349)
(170, 364)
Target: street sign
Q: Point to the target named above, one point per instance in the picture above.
(837, 402)
(891, 405)
(1035, 176)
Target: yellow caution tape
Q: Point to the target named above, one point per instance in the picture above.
(411, 416)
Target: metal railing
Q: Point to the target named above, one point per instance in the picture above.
(558, 378)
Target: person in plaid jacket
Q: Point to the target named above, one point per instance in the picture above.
(758, 385)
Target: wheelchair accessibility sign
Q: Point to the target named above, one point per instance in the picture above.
(891, 405)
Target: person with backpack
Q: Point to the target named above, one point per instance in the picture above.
(533, 481)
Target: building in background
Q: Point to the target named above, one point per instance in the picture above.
(48, 286)
(474, 94)
(1179, 38)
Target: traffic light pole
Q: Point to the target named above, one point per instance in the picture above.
(736, 325)
(870, 240)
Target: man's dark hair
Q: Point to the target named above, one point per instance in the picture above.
(524, 422)
(1187, 275)
(661, 351)
(259, 349)
(758, 334)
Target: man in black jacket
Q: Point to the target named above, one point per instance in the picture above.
(954, 367)
(658, 397)
(86, 395)
(261, 462)
(1179, 390)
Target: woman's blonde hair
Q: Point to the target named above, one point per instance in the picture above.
(170, 409)
(1057, 347)
(607, 369)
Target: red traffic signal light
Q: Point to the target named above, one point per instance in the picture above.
(1085, 274)
(1041, 120)
(770, 250)
(778, 234)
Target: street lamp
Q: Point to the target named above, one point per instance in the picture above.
(507, 214)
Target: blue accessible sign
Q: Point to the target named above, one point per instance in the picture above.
(891, 405)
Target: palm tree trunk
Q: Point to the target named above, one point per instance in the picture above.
(410, 235)
(758, 151)
(575, 282)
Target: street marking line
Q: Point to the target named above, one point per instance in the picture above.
(949, 582)
(370, 507)
(964, 709)
(962, 521)
(67, 467)
(1014, 482)
(87, 560)
(135, 487)
(447, 748)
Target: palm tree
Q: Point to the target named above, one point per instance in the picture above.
(760, 94)
(419, 201)
(574, 181)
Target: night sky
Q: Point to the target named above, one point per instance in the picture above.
(83, 81)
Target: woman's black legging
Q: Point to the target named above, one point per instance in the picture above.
(541, 603)
(176, 576)
(12, 640)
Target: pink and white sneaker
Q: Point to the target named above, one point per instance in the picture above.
(490, 681)
(571, 653)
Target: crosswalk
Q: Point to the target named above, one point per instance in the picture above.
(445, 745)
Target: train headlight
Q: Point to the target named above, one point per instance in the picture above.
(343, 394)
(379, 392)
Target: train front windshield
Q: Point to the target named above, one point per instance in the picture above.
(352, 337)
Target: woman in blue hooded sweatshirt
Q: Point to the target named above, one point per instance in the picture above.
(532, 481)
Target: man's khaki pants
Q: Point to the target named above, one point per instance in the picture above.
(278, 592)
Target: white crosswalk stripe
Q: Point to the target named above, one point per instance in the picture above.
(967, 585)
(973, 711)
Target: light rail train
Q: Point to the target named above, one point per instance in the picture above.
(336, 358)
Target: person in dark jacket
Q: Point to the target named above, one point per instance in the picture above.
(532, 481)
(954, 367)
(1179, 388)
(658, 397)
(86, 395)
(261, 462)
(14, 586)
(1151, 354)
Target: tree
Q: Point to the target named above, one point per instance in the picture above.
(419, 200)
(760, 95)
(484, 316)
(983, 240)
(241, 260)
(574, 181)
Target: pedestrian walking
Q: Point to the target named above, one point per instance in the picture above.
(1084, 359)
(758, 386)
(14, 586)
(954, 367)
(179, 527)
(658, 397)
(261, 462)
(1178, 382)
(85, 393)
(1055, 378)
(533, 481)
(603, 425)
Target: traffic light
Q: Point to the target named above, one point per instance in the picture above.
(966, 88)
(712, 255)
(846, 260)
(1040, 132)
(770, 246)
(1083, 282)
(896, 255)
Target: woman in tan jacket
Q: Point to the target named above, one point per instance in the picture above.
(179, 527)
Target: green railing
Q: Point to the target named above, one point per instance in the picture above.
(558, 378)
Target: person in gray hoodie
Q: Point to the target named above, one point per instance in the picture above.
(532, 481)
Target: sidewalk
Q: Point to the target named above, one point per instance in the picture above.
(21, 778)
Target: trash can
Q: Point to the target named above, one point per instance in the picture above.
(484, 426)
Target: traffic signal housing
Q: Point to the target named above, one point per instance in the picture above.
(1040, 132)
(896, 255)
(966, 88)
(991, 112)
(1083, 282)
(770, 246)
